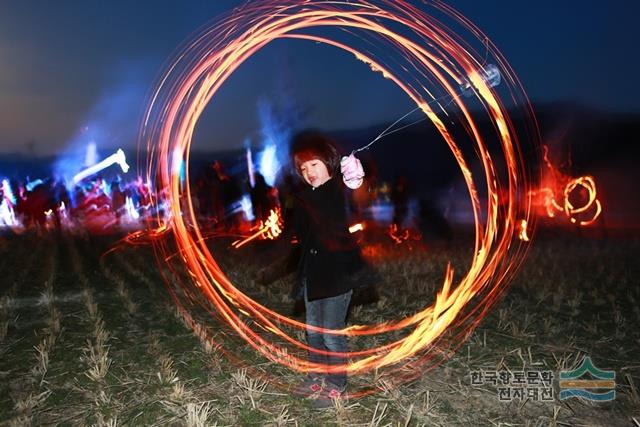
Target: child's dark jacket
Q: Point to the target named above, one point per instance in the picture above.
(329, 253)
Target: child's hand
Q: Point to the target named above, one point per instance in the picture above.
(352, 172)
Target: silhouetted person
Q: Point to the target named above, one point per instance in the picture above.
(286, 191)
(217, 183)
(118, 201)
(432, 221)
(203, 195)
(60, 198)
(261, 198)
(39, 200)
(400, 199)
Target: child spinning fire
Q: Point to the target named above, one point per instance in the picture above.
(330, 255)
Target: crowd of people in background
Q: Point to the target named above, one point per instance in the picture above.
(50, 204)
(221, 201)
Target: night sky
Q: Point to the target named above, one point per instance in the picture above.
(73, 70)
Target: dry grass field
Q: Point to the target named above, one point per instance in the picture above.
(93, 340)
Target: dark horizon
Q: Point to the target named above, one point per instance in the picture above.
(559, 109)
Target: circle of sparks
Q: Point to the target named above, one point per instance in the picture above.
(430, 62)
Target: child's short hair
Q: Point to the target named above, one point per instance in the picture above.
(312, 144)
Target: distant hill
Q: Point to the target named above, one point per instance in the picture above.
(581, 140)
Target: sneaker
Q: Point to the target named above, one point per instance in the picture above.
(308, 387)
(330, 393)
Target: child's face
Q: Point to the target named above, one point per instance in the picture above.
(314, 172)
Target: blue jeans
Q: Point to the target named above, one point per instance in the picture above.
(328, 313)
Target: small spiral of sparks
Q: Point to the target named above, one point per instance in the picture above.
(434, 62)
(555, 195)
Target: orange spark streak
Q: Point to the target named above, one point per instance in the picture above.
(522, 235)
(396, 235)
(356, 227)
(270, 230)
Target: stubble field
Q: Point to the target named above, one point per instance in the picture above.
(87, 339)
